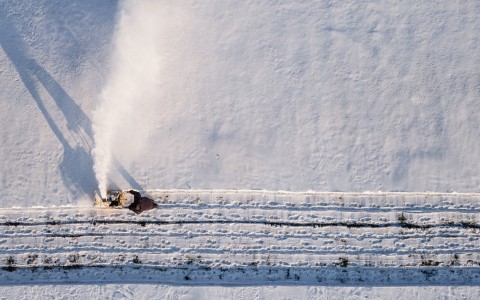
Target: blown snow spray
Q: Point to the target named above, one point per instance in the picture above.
(127, 107)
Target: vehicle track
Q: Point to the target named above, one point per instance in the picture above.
(207, 232)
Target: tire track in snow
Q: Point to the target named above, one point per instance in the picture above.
(210, 233)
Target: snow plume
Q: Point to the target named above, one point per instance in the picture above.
(129, 101)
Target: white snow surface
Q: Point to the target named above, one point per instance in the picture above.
(277, 95)
(147, 292)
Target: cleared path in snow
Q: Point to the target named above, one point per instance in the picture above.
(240, 237)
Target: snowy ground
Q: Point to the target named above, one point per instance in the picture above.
(142, 291)
(278, 95)
(250, 238)
(346, 96)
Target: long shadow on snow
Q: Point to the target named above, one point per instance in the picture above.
(242, 276)
(77, 164)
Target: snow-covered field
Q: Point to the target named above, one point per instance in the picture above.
(141, 291)
(346, 96)
(277, 95)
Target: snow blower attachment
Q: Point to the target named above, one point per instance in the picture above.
(130, 199)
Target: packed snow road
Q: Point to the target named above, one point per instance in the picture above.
(250, 237)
